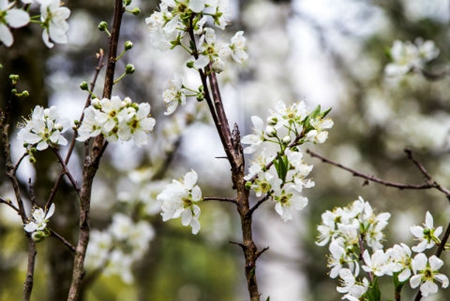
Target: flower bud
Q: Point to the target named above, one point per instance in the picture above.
(14, 78)
(128, 45)
(84, 86)
(129, 69)
(287, 139)
(38, 236)
(272, 120)
(271, 131)
(102, 26)
(135, 11)
(190, 64)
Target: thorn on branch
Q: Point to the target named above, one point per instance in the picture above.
(239, 244)
(259, 253)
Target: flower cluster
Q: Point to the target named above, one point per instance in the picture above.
(176, 17)
(44, 128)
(37, 224)
(180, 198)
(179, 18)
(120, 245)
(407, 57)
(117, 119)
(281, 173)
(355, 233)
(53, 20)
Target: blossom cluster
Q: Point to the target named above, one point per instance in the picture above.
(278, 170)
(177, 19)
(180, 198)
(44, 128)
(37, 223)
(407, 57)
(117, 119)
(355, 234)
(52, 19)
(116, 248)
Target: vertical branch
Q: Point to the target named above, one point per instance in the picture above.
(92, 161)
(11, 174)
(233, 148)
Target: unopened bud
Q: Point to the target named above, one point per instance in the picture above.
(271, 131)
(287, 139)
(129, 69)
(190, 64)
(135, 11)
(84, 86)
(14, 78)
(38, 236)
(128, 45)
(272, 120)
(102, 26)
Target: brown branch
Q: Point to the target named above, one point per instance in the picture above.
(99, 66)
(65, 171)
(428, 185)
(92, 161)
(220, 199)
(63, 240)
(10, 171)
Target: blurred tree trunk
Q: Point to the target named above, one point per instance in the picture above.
(27, 58)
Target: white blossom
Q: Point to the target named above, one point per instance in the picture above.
(180, 198)
(352, 289)
(39, 219)
(10, 17)
(426, 274)
(43, 129)
(53, 17)
(288, 199)
(117, 119)
(407, 56)
(238, 47)
(174, 95)
(255, 139)
(427, 235)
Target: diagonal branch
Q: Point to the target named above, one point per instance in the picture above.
(429, 184)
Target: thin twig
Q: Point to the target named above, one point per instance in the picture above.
(378, 180)
(63, 240)
(220, 199)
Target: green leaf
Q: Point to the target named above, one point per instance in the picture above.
(373, 293)
(281, 165)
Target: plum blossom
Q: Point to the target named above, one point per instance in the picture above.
(407, 56)
(352, 289)
(117, 119)
(180, 198)
(238, 48)
(174, 95)
(255, 139)
(287, 199)
(53, 18)
(427, 235)
(44, 128)
(10, 17)
(426, 274)
(37, 223)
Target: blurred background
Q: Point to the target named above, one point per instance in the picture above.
(326, 52)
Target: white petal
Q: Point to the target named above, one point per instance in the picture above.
(17, 18)
(415, 280)
(6, 36)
